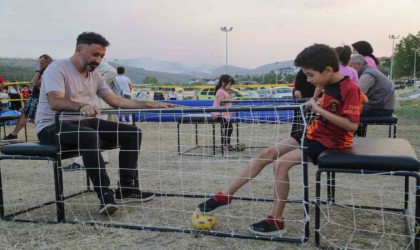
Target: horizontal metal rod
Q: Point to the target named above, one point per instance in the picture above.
(202, 109)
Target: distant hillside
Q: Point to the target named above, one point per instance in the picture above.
(137, 75)
(17, 69)
(200, 71)
(20, 69)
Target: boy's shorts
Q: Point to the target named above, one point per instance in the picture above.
(314, 148)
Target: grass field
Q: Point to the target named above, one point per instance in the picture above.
(163, 170)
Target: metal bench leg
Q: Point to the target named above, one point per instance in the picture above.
(58, 180)
(214, 139)
(196, 134)
(237, 132)
(1, 198)
(417, 219)
(406, 192)
(395, 130)
(179, 140)
(317, 206)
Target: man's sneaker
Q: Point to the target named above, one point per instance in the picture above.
(268, 227)
(10, 137)
(108, 205)
(132, 195)
(73, 167)
(214, 204)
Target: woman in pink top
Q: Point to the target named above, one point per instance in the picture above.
(344, 54)
(365, 49)
(221, 93)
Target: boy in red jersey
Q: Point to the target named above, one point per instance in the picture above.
(338, 118)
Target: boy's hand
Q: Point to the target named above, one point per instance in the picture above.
(312, 105)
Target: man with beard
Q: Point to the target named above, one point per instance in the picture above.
(71, 85)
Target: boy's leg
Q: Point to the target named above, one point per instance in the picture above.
(273, 225)
(266, 157)
(282, 183)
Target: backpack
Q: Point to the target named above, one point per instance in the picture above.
(116, 88)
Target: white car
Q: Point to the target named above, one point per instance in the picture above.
(282, 92)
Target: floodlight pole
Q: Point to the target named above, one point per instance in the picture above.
(414, 69)
(226, 30)
(392, 55)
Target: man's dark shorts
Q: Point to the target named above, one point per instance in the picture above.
(314, 148)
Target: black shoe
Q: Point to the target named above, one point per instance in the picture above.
(73, 167)
(10, 137)
(211, 206)
(108, 205)
(265, 228)
(132, 195)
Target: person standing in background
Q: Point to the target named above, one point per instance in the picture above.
(365, 49)
(379, 90)
(344, 54)
(172, 94)
(302, 90)
(30, 106)
(125, 84)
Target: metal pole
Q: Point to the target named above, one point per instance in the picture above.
(226, 30)
(226, 52)
(414, 79)
(392, 55)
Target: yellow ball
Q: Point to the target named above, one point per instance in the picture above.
(203, 221)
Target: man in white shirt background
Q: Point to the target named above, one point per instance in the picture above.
(124, 83)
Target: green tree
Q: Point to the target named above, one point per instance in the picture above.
(150, 79)
(385, 66)
(404, 56)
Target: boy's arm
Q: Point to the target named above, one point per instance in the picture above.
(340, 121)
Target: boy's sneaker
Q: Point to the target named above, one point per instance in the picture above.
(10, 137)
(268, 227)
(132, 195)
(108, 205)
(214, 204)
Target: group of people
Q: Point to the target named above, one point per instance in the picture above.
(342, 87)
(72, 85)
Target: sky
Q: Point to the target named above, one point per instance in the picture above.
(188, 31)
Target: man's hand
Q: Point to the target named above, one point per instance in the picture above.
(298, 94)
(162, 105)
(90, 110)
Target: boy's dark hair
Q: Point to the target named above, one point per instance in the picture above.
(344, 54)
(317, 57)
(120, 70)
(90, 38)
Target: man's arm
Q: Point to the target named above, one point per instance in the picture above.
(58, 102)
(340, 121)
(119, 102)
(366, 82)
(36, 79)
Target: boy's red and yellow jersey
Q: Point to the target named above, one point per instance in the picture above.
(344, 99)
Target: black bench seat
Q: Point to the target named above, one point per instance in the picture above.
(384, 156)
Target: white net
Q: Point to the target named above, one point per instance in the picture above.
(185, 174)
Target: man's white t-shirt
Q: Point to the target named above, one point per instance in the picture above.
(124, 83)
(63, 76)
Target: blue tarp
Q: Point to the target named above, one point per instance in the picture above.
(10, 113)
